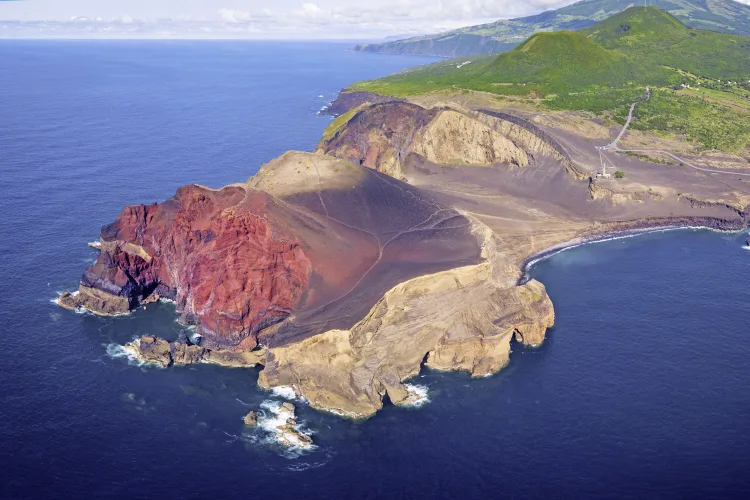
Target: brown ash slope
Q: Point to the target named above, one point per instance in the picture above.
(530, 175)
(526, 186)
(403, 230)
(239, 261)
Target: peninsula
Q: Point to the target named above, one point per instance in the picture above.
(401, 241)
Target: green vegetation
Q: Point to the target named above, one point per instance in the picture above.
(733, 97)
(717, 15)
(649, 159)
(619, 174)
(339, 122)
(662, 46)
(708, 123)
(700, 79)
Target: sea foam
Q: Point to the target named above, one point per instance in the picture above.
(117, 351)
(303, 466)
(284, 391)
(78, 310)
(271, 419)
(418, 395)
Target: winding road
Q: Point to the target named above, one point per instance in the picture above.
(613, 146)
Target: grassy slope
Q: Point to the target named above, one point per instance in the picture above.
(719, 15)
(658, 39)
(604, 68)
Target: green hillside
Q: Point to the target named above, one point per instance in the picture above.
(654, 38)
(606, 67)
(726, 16)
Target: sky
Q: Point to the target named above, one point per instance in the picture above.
(278, 18)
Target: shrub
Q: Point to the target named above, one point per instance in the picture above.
(619, 174)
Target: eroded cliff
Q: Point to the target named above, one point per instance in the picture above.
(229, 258)
(460, 319)
(393, 136)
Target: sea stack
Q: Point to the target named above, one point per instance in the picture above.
(251, 419)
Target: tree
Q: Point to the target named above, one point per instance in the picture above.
(619, 174)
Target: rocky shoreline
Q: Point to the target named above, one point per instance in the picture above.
(348, 100)
(160, 352)
(401, 242)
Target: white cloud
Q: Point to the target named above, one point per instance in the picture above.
(330, 18)
(235, 16)
(386, 16)
(288, 18)
(310, 10)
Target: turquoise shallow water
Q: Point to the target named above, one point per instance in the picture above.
(640, 390)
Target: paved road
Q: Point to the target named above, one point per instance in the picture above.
(613, 144)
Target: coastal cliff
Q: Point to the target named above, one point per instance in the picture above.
(460, 319)
(229, 258)
(391, 136)
(400, 243)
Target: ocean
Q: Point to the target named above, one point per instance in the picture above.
(639, 391)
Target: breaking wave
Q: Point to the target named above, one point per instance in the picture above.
(271, 419)
(82, 310)
(116, 351)
(418, 395)
(284, 391)
(79, 310)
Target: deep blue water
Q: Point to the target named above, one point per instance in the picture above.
(640, 391)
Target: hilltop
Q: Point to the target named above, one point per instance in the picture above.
(725, 16)
(606, 67)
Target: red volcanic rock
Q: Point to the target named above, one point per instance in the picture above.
(228, 261)
(310, 235)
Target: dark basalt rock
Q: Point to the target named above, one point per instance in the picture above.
(186, 354)
(348, 100)
(183, 338)
(154, 350)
